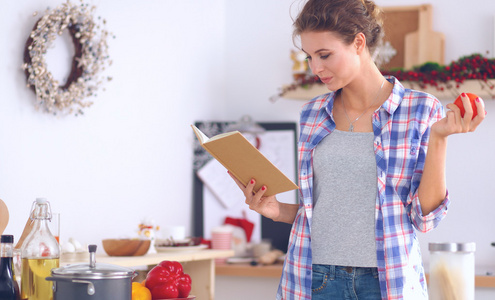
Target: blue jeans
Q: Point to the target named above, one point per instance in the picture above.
(337, 282)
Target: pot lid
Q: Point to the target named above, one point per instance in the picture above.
(99, 271)
(93, 270)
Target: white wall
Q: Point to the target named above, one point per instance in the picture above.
(175, 62)
(129, 156)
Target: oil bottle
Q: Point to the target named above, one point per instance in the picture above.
(40, 254)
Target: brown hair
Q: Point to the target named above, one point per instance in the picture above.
(345, 17)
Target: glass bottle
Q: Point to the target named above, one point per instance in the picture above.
(40, 254)
(9, 289)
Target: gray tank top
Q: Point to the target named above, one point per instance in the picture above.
(344, 193)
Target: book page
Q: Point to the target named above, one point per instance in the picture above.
(203, 138)
(200, 135)
(219, 136)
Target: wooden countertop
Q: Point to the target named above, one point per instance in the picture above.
(155, 258)
(483, 281)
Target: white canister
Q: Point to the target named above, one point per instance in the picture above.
(451, 271)
(177, 233)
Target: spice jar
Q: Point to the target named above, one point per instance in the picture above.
(451, 271)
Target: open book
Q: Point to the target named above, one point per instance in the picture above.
(245, 162)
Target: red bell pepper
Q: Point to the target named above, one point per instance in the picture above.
(168, 280)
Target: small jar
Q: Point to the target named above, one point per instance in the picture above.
(451, 273)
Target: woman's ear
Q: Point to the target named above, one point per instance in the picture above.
(360, 42)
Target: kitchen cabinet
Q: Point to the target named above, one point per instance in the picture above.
(199, 264)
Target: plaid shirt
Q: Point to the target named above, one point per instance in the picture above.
(401, 128)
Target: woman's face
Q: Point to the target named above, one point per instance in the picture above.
(332, 60)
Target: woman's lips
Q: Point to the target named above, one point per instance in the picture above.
(325, 79)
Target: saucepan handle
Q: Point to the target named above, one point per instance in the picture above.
(91, 287)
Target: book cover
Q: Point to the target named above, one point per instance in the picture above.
(245, 162)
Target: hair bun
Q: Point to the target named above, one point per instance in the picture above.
(373, 10)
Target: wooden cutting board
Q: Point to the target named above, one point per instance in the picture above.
(424, 45)
(4, 216)
(431, 50)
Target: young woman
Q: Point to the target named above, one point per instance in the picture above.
(371, 167)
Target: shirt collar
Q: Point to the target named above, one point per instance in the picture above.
(392, 103)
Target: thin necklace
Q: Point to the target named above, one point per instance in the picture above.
(351, 126)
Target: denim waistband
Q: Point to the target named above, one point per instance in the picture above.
(343, 271)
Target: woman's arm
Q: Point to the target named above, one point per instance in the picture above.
(432, 188)
(287, 213)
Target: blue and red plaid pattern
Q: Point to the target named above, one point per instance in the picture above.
(401, 128)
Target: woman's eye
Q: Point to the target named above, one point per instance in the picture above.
(324, 56)
(308, 57)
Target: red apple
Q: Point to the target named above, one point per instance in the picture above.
(472, 99)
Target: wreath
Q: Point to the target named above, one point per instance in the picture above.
(90, 58)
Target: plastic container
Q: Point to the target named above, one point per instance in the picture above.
(451, 271)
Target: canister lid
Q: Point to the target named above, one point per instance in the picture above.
(452, 247)
(84, 271)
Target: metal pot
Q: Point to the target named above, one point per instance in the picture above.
(93, 281)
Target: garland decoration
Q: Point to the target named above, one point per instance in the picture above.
(90, 58)
(449, 77)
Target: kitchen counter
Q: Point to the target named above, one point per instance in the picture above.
(199, 264)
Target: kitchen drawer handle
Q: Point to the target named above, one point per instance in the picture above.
(91, 287)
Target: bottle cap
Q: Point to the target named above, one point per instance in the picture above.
(8, 239)
(41, 200)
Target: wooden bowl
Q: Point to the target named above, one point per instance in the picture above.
(126, 247)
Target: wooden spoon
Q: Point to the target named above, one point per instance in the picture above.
(25, 233)
(4, 216)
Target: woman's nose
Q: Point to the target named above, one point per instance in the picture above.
(316, 66)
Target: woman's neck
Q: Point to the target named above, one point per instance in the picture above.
(364, 90)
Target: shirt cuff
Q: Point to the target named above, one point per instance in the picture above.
(431, 220)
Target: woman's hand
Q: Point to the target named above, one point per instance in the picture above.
(454, 123)
(265, 206)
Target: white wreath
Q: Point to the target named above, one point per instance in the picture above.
(90, 58)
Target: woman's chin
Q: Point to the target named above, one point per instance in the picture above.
(331, 87)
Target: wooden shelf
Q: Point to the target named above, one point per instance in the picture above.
(481, 281)
(274, 271)
(472, 86)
